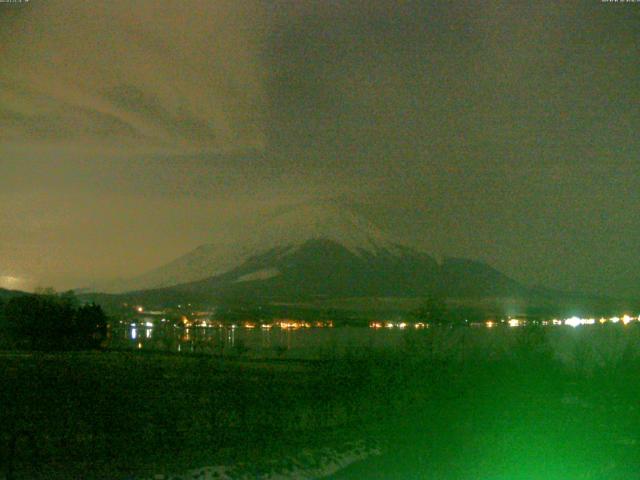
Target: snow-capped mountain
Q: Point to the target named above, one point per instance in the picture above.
(321, 255)
(324, 268)
(288, 227)
(316, 251)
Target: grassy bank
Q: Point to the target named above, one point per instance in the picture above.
(117, 414)
(453, 416)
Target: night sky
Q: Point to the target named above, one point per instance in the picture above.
(133, 131)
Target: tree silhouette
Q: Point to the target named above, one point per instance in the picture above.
(3, 325)
(91, 325)
(54, 322)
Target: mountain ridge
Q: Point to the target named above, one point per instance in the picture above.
(322, 254)
(324, 269)
(287, 226)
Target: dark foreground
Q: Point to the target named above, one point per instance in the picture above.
(519, 415)
(524, 425)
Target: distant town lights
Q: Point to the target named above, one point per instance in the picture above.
(573, 322)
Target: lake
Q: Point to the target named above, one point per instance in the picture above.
(585, 344)
(256, 342)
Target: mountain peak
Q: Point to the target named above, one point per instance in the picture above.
(296, 224)
(287, 226)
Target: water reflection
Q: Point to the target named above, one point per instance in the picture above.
(295, 339)
(260, 340)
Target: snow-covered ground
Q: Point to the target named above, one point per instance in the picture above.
(305, 464)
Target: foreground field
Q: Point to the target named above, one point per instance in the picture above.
(526, 412)
(122, 415)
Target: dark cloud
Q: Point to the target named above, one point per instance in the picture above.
(165, 75)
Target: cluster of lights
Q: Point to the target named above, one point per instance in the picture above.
(297, 324)
(202, 319)
(576, 321)
(401, 325)
(292, 324)
(287, 324)
(250, 325)
(517, 322)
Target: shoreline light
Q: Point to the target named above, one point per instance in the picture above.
(514, 322)
(573, 322)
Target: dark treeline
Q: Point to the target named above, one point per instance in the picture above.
(50, 321)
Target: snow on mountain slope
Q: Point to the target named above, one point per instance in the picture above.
(285, 229)
(263, 274)
(300, 223)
